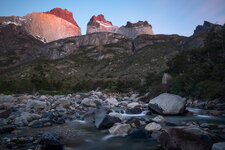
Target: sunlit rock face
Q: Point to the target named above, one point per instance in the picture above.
(64, 14)
(132, 30)
(50, 26)
(99, 24)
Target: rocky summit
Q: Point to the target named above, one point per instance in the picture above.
(132, 30)
(99, 24)
(53, 25)
(205, 27)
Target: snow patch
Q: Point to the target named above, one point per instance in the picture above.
(10, 22)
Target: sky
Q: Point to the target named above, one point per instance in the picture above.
(166, 16)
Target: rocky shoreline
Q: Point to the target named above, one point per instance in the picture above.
(44, 121)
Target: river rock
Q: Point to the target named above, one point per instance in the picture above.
(218, 146)
(43, 97)
(6, 99)
(119, 129)
(50, 140)
(63, 102)
(112, 101)
(105, 121)
(187, 138)
(35, 105)
(159, 119)
(25, 118)
(153, 127)
(118, 115)
(87, 102)
(167, 104)
(135, 110)
(133, 105)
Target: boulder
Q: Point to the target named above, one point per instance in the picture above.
(112, 101)
(35, 105)
(158, 119)
(87, 102)
(119, 129)
(167, 104)
(133, 105)
(103, 120)
(118, 115)
(135, 110)
(153, 127)
(6, 99)
(218, 146)
(187, 138)
(5, 113)
(63, 102)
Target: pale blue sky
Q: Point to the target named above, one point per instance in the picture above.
(166, 16)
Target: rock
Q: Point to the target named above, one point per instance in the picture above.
(90, 116)
(213, 113)
(35, 105)
(88, 102)
(159, 119)
(50, 141)
(133, 105)
(64, 14)
(218, 146)
(205, 27)
(187, 138)
(118, 115)
(132, 30)
(134, 122)
(138, 134)
(166, 79)
(63, 102)
(6, 128)
(25, 118)
(119, 129)
(6, 99)
(43, 97)
(112, 101)
(135, 110)
(47, 25)
(167, 104)
(105, 121)
(153, 127)
(5, 113)
(99, 24)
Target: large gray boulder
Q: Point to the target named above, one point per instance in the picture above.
(167, 104)
(219, 146)
(187, 138)
(35, 105)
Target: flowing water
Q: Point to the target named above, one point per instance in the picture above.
(79, 135)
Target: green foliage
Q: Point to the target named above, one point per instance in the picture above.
(200, 72)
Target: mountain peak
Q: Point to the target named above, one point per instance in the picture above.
(205, 27)
(99, 24)
(64, 14)
(139, 23)
(99, 18)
